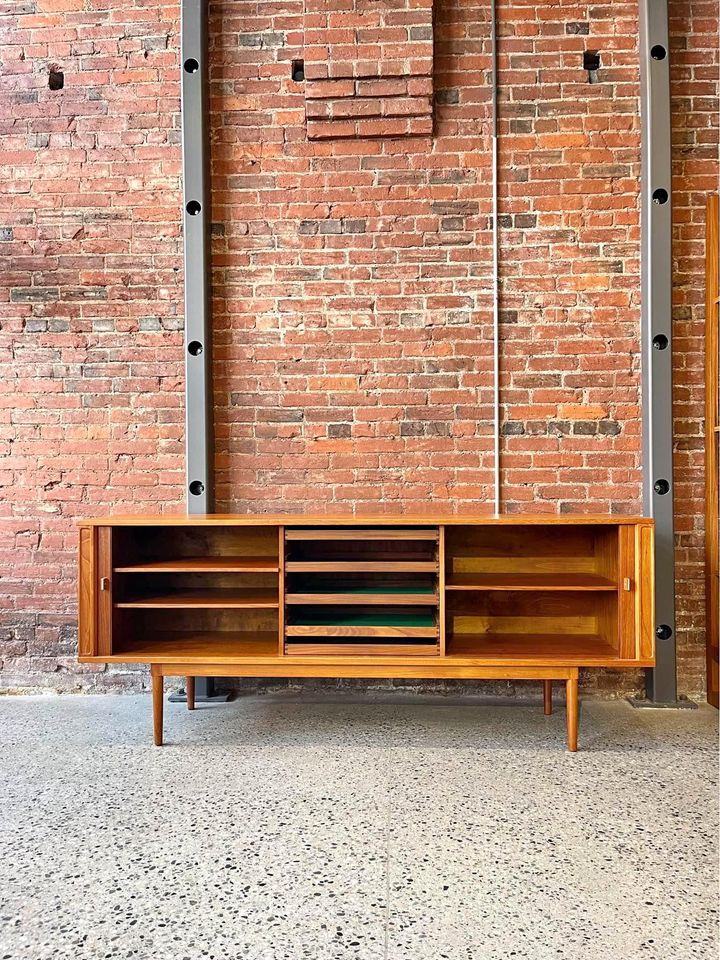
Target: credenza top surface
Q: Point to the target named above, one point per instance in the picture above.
(356, 520)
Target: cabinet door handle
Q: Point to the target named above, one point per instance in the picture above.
(104, 583)
(627, 584)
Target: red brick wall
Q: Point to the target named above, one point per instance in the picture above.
(351, 285)
(91, 408)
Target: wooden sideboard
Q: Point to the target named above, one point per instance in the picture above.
(517, 597)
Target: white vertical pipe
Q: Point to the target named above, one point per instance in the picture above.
(496, 257)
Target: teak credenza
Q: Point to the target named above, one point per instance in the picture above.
(517, 597)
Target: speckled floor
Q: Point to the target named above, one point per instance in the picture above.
(284, 828)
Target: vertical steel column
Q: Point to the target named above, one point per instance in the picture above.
(199, 441)
(196, 213)
(656, 267)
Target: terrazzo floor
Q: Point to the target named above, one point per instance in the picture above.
(286, 827)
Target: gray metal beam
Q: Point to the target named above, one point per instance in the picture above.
(199, 439)
(196, 222)
(656, 267)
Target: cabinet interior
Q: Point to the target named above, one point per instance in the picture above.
(497, 592)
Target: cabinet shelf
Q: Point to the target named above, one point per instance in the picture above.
(363, 624)
(580, 649)
(348, 630)
(204, 565)
(362, 535)
(530, 581)
(379, 594)
(361, 566)
(335, 649)
(205, 599)
(200, 646)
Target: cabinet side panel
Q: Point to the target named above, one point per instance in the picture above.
(104, 580)
(629, 592)
(645, 566)
(281, 591)
(441, 591)
(87, 633)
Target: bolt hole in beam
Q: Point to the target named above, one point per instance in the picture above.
(191, 65)
(658, 52)
(197, 487)
(661, 487)
(195, 348)
(660, 341)
(56, 80)
(660, 195)
(193, 207)
(298, 71)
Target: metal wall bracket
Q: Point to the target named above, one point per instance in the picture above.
(208, 695)
(656, 268)
(682, 703)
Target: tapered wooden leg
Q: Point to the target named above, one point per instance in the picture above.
(571, 696)
(158, 686)
(547, 697)
(190, 692)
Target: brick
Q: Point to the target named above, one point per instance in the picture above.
(455, 208)
(339, 429)
(579, 411)
(330, 130)
(34, 294)
(410, 429)
(36, 326)
(335, 89)
(381, 88)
